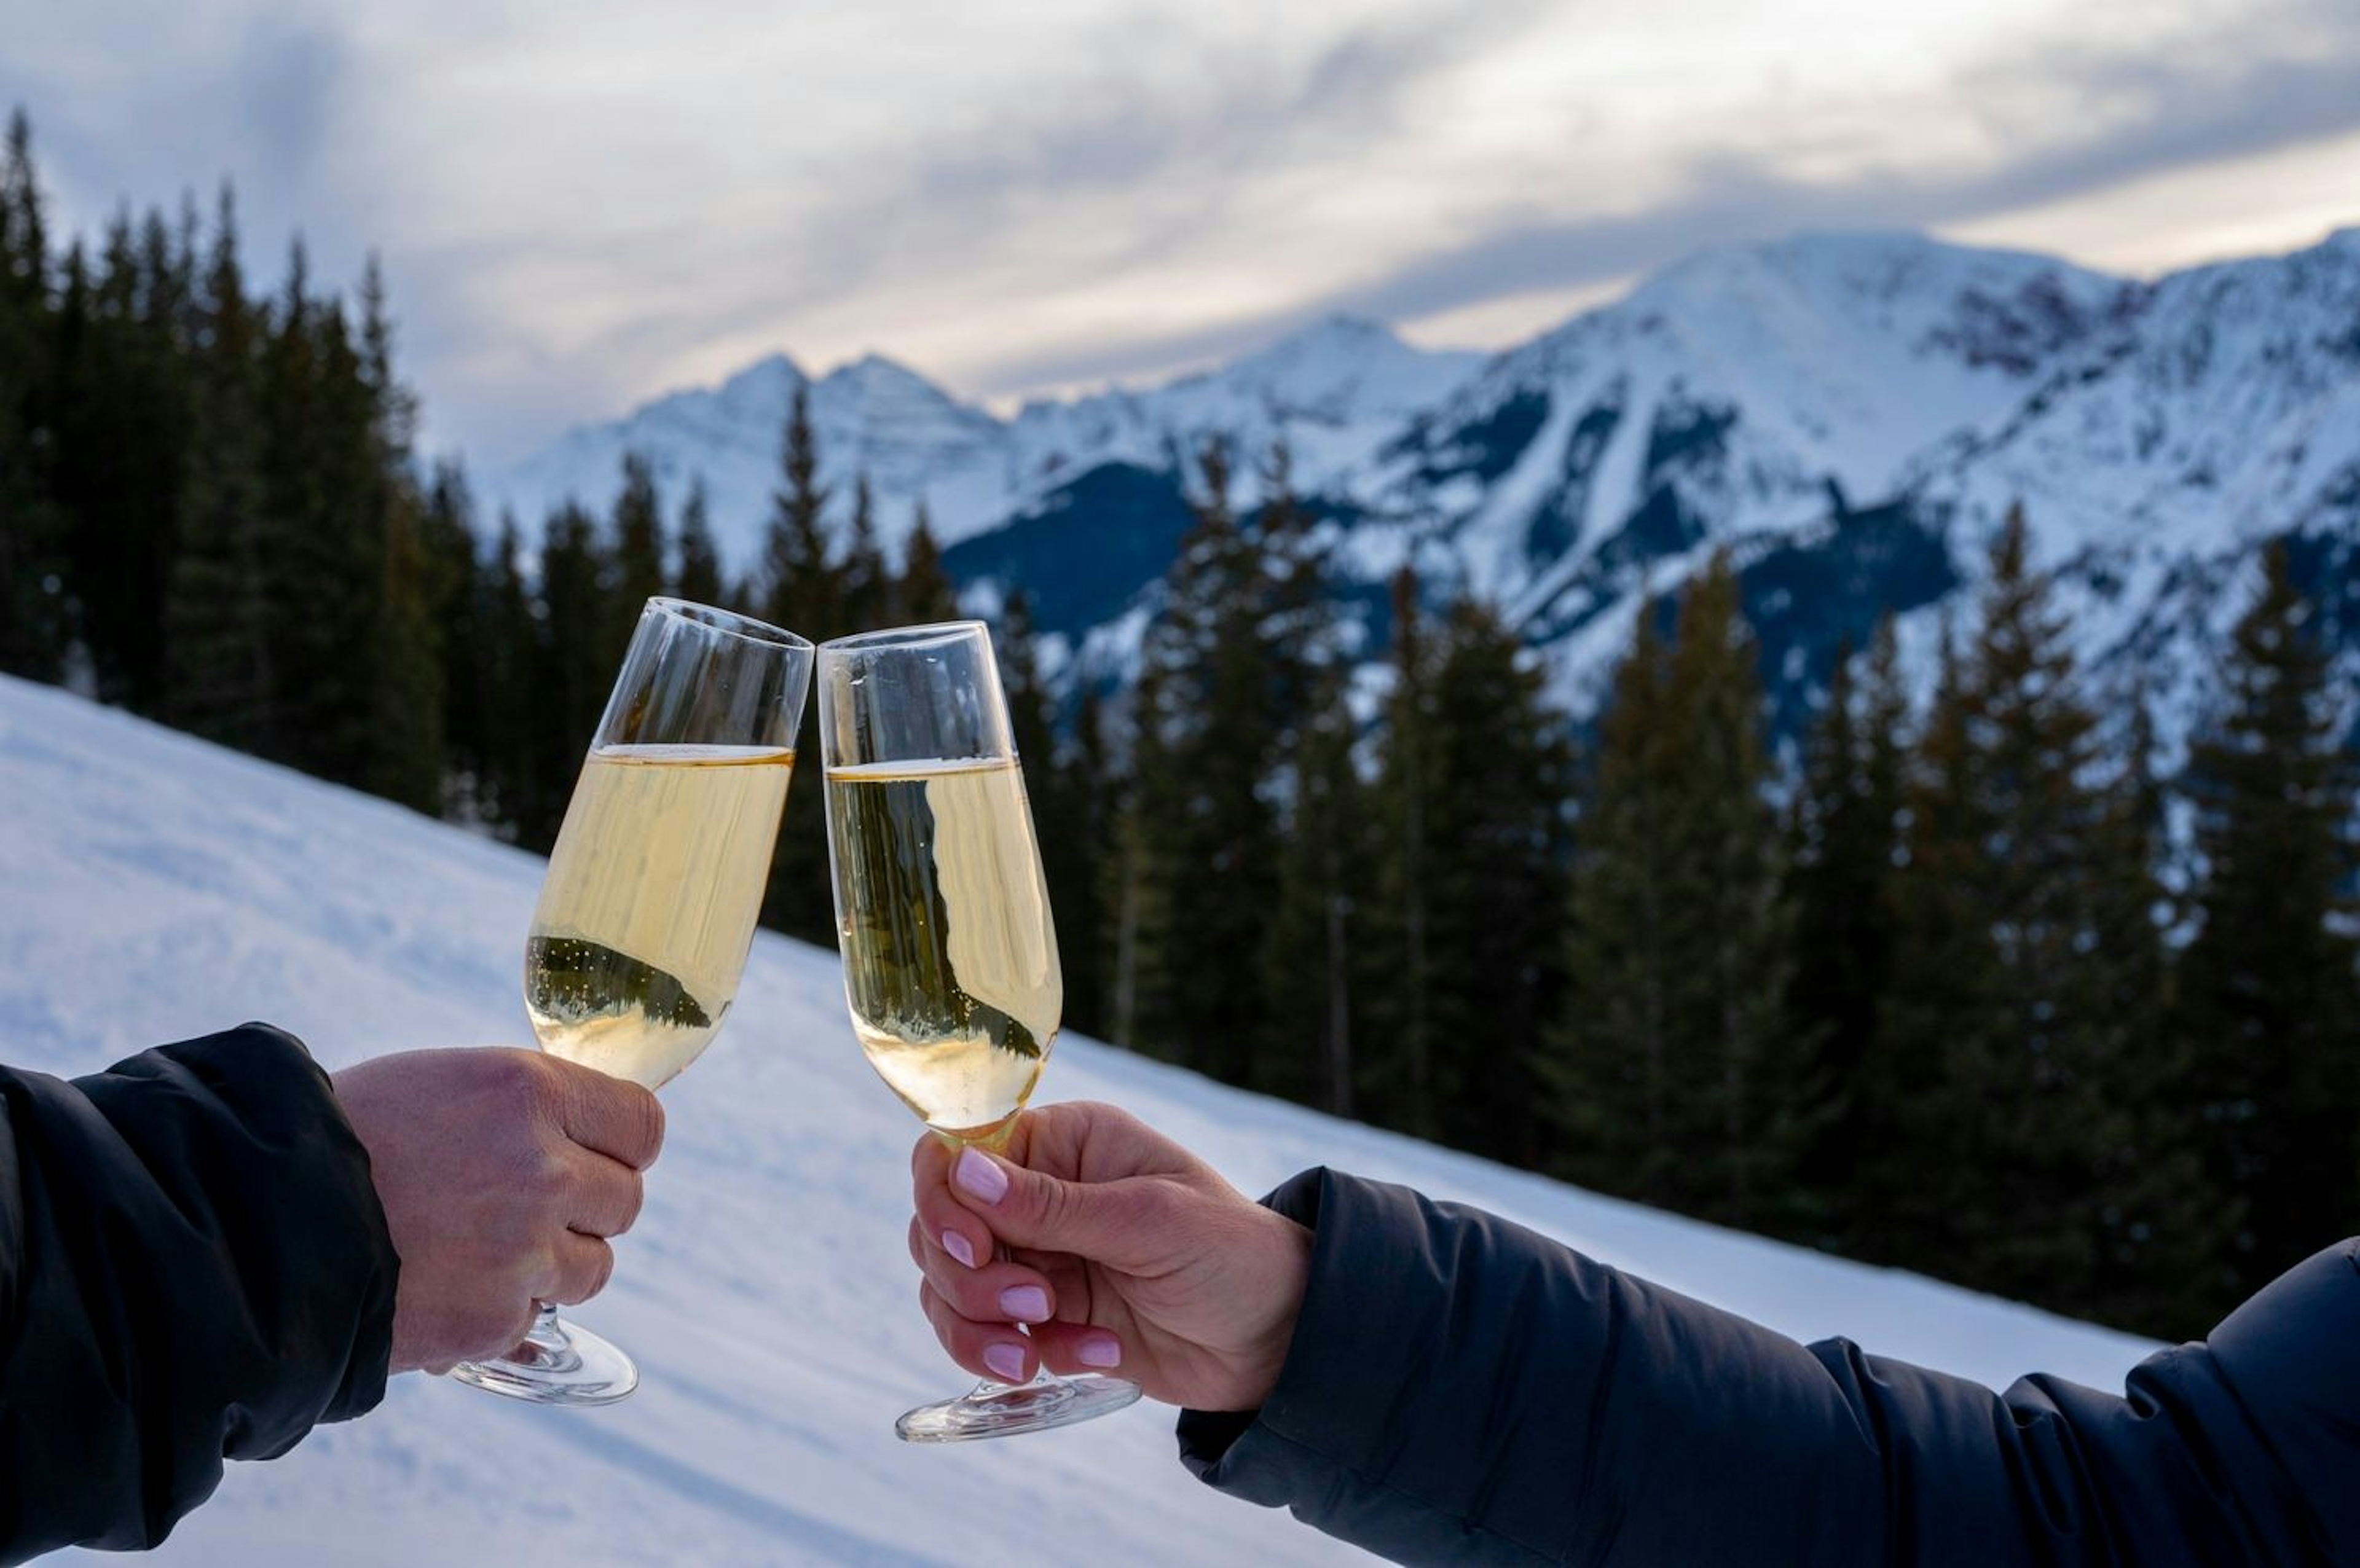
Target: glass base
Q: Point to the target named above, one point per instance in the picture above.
(1003, 1410)
(558, 1364)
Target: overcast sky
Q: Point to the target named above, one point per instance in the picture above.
(582, 204)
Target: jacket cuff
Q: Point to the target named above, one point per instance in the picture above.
(1338, 1391)
(298, 1210)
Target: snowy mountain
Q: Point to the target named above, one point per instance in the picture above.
(1854, 413)
(1333, 391)
(153, 886)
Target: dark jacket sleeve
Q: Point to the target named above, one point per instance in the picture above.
(194, 1266)
(1460, 1389)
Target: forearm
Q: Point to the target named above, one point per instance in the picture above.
(192, 1267)
(1461, 1390)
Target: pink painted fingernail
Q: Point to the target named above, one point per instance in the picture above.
(979, 1177)
(1099, 1350)
(1005, 1361)
(958, 1246)
(1025, 1304)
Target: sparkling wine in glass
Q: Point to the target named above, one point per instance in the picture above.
(649, 908)
(950, 957)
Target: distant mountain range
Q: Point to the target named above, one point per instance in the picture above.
(1852, 413)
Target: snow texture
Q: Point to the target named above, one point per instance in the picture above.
(154, 887)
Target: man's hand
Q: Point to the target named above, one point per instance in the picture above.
(501, 1172)
(1128, 1251)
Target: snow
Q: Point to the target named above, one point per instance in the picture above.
(1333, 391)
(153, 888)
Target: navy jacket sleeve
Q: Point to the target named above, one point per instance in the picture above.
(1460, 1389)
(194, 1266)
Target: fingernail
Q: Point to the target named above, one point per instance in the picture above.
(957, 1246)
(1099, 1350)
(1025, 1304)
(1005, 1361)
(979, 1177)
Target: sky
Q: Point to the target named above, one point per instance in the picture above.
(581, 205)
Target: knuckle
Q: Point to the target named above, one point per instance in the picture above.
(1145, 1208)
(530, 1082)
(548, 1183)
(1046, 1203)
(518, 1230)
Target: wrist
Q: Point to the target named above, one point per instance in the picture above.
(1286, 1267)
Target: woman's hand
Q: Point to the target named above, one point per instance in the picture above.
(1128, 1252)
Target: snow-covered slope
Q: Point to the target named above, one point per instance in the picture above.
(152, 887)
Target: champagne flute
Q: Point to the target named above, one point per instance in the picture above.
(649, 908)
(950, 959)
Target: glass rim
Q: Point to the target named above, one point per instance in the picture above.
(929, 635)
(727, 622)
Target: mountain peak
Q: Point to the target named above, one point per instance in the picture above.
(872, 368)
(771, 377)
(1343, 327)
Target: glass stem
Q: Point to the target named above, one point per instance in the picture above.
(551, 1351)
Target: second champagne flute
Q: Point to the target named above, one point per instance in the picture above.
(950, 958)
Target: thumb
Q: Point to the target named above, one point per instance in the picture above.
(1105, 1221)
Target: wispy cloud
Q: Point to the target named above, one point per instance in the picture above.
(580, 205)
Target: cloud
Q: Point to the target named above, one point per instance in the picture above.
(580, 208)
(2196, 105)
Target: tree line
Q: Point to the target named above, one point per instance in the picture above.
(1948, 993)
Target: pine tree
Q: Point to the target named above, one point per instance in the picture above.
(1092, 791)
(867, 584)
(2270, 1006)
(219, 598)
(33, 547)
(1314, 955)
(803, 591)
(120, 429)
(2013, 1080)
(400, 585)
(1843, 866)
(2164, 1229)
(699, 580)
(922, 594)
(1397, 1076)
(1202, 827)
(1614, 1097)
(1678, 1076)
(1309, 962)
(1496, 770)
(573, 669)
(513, 786)
(310, 544)
(1064, 818)
(1031, 721)
(801, 586)
(639, 570)
(454, 603)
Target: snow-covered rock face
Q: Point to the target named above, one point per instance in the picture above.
(1854, 412)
